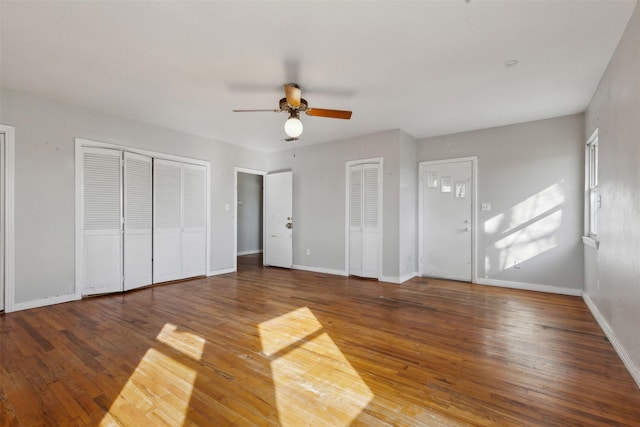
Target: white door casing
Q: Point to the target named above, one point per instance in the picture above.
(447, 219)
(8, 236)
(137, 221)
(278, 219)
(102, 195)
(364, 206)
(2, 218)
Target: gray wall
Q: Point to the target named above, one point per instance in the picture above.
(532, 174)
(319, 198)
(45, 184)
(612, 272)
(249, 213)
(408, 220)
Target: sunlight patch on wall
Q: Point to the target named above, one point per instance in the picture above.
(525, 231)
(314, 382)
(159, 390)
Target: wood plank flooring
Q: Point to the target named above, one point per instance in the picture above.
(273, 347)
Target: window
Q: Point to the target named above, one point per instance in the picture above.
(592, 199)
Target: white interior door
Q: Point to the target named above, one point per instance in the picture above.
(278, 219)
(447, 219)
(2, 218)
(102, 201)
(137, 221)
(364, 219)
(194, 240)
(167, 241)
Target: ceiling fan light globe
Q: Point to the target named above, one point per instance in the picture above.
(293, 127)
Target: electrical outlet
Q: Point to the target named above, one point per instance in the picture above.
(308, 251)
(485, 207)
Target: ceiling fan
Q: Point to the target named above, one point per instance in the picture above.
(294, 104)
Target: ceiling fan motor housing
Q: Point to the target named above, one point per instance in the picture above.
(284, 105)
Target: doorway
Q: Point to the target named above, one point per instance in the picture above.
(249, 217)
(447, 219)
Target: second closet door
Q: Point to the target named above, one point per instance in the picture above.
(137, 221)
(179, 237)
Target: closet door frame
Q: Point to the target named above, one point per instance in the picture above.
(9, 239)
(349, 164)
(80, 144)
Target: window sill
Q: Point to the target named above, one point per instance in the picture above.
(591, 242)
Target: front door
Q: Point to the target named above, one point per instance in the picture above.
(447, 219)
(278, 219)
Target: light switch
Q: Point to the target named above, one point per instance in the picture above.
(227, 207)
(485, 207)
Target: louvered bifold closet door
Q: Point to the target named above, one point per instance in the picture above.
(167, 213)
(364, 219)
(370, 219)
(102, 214)
(2, 218)
(194, 220)
(355, 220)
(137, 221)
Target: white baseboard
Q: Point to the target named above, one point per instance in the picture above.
(251, 252)
(530, 287)
(398, 280)
(221, 271)
(633, 369)
(319, 270)
(18, 306)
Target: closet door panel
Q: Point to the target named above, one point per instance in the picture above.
(167, 241)
(137, 221)
(194, 220)
(102, 214)
(355, 220)
(370, 220)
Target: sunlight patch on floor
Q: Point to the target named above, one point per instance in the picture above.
(159, 390)
(314, 382)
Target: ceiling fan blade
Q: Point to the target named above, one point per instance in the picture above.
(334, 114)
(256, 111)
(292, 92)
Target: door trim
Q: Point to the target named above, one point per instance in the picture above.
(9, 236)
(235, 209)
(380, 162)
(474, 211)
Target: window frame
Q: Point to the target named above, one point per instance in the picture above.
(592, 197)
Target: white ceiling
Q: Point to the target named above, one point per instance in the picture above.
(426, 67)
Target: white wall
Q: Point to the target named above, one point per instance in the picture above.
(612, 284)
(249, 213)
(44, 185)
(532, 174)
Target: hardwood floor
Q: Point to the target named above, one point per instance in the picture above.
(271, 346)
